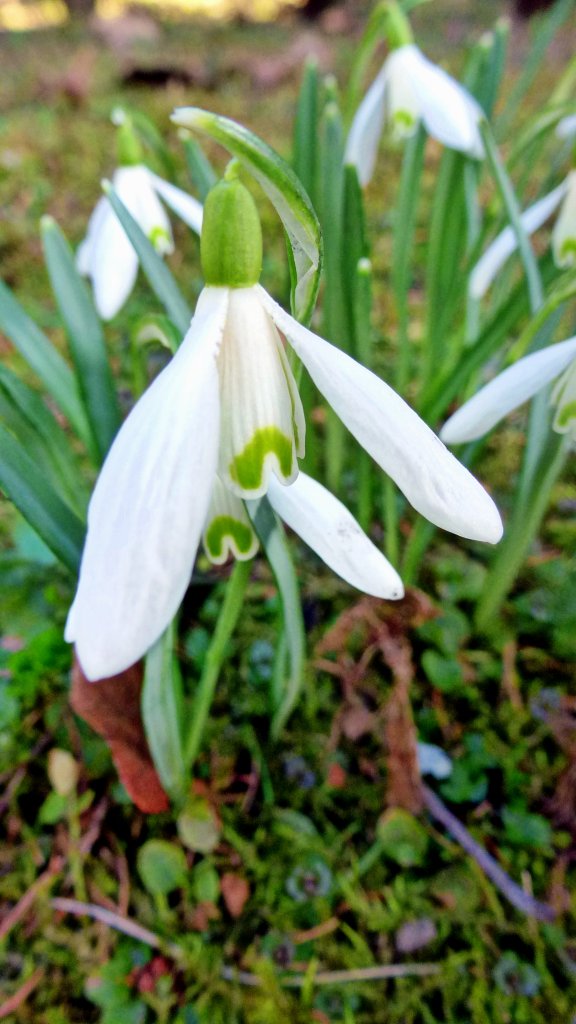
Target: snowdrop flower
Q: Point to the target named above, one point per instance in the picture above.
(106, 255)
(222, 425)
(409, 89)
(563, 236)
(566, 127)
(516, 385)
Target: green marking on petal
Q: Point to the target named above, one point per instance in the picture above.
(159, 238)
(568, 250)
(565, 414)
(404, 120)
(247, 468)
(226, 528)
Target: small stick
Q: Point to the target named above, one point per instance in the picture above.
(523, 901)
(9, 1006)
(136, 931)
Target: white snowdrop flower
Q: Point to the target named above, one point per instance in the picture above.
(563, 236)
(410, 89)
(106, 255)
(223, 424)
(516, 385)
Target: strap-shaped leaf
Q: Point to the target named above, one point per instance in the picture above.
(44, 360)
(285, 192)
(287, 685)
(27, 417)
(26, 485)
(85, 337)
(159, 277)
(162, 714)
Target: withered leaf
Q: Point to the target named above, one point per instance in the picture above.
(112, 707)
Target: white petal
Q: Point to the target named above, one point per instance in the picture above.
(505, 243)
(449, 112)
(188, 209)
(366, 129)
(566, 127)
(327, 526)
(564, 234)
(149, 505)
(262, 418)
(228, 530)
(113, 265)
(85, 251)
(508, 390)
(402, 104)
(435, 483)
(137, 193)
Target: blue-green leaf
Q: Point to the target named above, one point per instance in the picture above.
(85, 336)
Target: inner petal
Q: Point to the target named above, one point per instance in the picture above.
(228, 530)
(402, 106)
(564, 398)
(262, 424)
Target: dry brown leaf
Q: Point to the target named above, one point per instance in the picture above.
(235, 892)
(112, 707)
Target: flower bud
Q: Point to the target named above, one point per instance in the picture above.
(231, 240)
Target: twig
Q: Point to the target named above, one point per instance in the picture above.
(19, 909)
(116, 921)
(9, 1006)
(136, 931)
(523, 901)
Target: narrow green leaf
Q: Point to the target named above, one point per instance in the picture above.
(34, 426)
(44, 360)
(202, 173)
(306, 130)
(159, 277)
(162, 714)
(85, 337)
(285, 192)
(273, 540)
(26, 485)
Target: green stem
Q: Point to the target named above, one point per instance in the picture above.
(229, 613)
(523, 527)
(404, 223)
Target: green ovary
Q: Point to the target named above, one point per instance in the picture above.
(159, 238)
(223, 527)
(246, 469)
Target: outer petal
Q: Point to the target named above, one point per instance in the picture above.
(564, 234)
(84, 253)
(137, 193)
(508, 390)
(262, 418)
(113, 263)
(505, 243)
(435, 483)
(188, 209)
(449, 112)
(327, 526)
(366, 129)
(149, 506)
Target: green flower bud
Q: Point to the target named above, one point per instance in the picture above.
(231, 240)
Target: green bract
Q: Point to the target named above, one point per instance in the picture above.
(284, 191)
(231, 240)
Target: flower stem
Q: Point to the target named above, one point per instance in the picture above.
(229, 613)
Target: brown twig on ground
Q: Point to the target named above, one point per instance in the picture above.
(10, 1005)
(515, 895)
(380, 972)
(21, 908)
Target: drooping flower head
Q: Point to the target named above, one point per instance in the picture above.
(410, 89)
(106, 255)
(516, 385)
(223, 425)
